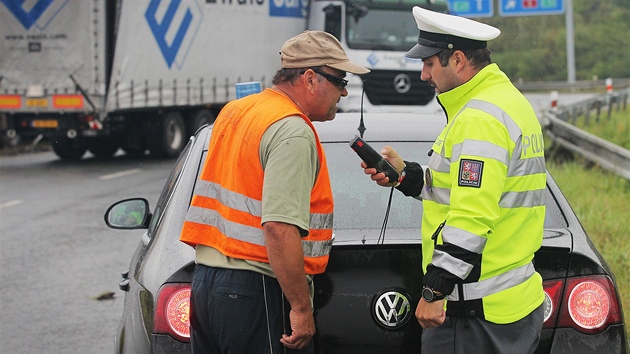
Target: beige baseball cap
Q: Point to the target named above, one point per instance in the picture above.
(317, 48)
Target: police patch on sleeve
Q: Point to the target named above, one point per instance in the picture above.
(470, 173)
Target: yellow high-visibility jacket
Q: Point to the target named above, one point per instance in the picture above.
(484, 201)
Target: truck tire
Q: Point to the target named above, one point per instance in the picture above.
(10, 140)
(103, 149)
(171, 135)
(134, 142)
(133, 151)
(199, 119)
(68, 149)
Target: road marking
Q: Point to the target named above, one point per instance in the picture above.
(120, 174)
(11, 203)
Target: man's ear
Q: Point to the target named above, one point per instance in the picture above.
(309, 79)
(460, 59)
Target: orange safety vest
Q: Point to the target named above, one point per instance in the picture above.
(226, 208)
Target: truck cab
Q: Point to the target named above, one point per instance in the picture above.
(377, 34)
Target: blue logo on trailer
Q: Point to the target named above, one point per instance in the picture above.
(175, 30)
(39, 14)
(373, 59)
(288, 8)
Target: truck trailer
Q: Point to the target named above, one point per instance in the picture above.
(54, 60)
(143, 75)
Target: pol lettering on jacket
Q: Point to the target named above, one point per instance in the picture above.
(535, 142)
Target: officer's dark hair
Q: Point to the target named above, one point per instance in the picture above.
(290, 75)
(479, 58)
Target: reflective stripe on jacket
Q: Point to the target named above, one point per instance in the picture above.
(484, 198)
(226, 208)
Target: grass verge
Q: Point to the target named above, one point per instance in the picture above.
(601, 199)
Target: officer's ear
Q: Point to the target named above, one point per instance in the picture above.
(459, 60)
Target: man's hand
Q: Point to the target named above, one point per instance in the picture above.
(379, 177)
(302, 330)
(430, 314)
(286, 257)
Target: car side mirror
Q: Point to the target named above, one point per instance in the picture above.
(128, 214)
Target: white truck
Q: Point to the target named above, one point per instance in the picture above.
(157, 70)
(54, 57)
(377, 34)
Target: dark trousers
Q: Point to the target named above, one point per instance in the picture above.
(473, 335)
(237, 311)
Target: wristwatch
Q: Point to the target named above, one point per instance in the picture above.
(429, 295)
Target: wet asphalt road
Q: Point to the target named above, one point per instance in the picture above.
(59, 263)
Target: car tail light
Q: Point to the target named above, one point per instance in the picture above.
(172, 314)
(589, 304)
(553, 291)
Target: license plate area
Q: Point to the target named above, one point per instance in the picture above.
(45, 123)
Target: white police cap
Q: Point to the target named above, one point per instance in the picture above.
(440, 31)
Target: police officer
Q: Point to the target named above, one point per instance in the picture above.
(483, 196)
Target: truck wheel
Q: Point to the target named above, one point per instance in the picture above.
(103, 149)
(68, 149)
(134, 142)
(201, 118)
(134, 151)
(171, 135)
(10, 140)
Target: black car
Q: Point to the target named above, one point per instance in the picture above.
(366, 299)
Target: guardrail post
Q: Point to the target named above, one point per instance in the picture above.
(554, 101)
(599, 110)
(612, 100)
(609, 85)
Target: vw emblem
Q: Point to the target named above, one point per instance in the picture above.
(391, 308)
(402, 83)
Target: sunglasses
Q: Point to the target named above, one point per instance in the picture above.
(331, 78)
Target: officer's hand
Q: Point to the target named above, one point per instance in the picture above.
(302, 330)
(379, 177)
(430, 314)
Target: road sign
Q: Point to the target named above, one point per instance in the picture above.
(471, 8)
(530, 7)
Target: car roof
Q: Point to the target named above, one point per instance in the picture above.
(382, 127)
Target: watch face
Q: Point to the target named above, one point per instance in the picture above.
(427, 294)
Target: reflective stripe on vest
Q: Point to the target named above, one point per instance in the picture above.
(246, 233)
(486, 287)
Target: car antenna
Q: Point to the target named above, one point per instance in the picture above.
(362, 127)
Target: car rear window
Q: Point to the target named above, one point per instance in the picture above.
(361, 204)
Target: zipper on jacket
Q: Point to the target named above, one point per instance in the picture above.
(437, 232)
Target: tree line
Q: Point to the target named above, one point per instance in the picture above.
(533, 48)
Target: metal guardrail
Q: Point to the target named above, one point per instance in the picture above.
(608, 155)
(583, 85)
